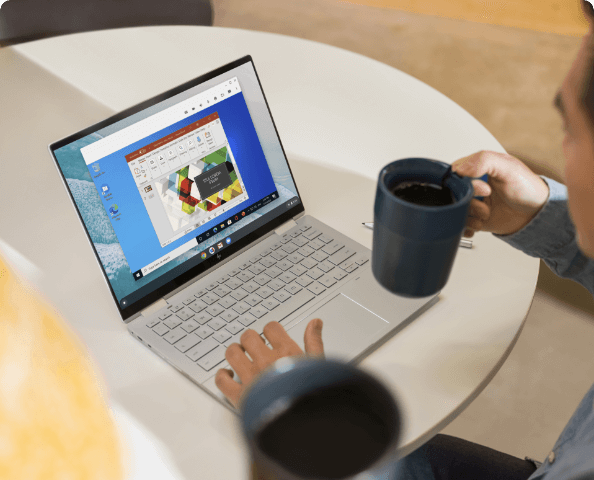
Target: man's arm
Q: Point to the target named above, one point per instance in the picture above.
(551, 236)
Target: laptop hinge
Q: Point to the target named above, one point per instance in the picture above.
(285, 227)
(158, 305)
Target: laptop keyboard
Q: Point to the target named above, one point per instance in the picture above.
(301, 265)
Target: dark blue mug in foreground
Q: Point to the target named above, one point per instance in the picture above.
(414, 246)
(308, 418)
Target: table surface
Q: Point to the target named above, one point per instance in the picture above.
(338, 113)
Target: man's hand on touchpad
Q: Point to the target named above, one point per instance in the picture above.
(263, 356)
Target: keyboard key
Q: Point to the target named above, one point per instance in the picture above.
(214, 310)
(187, 301)
(210, 298)
(234, 272)
(273, 272)
(289, 247)
(341, 256)
(309, 263)
(312, 234)
(204, 332)
(239, 294)
(246, 319)
(332, 248)
(227, 302)
(202, 318)
(223, 279)
(190, 326)
(319, 256)
(176, 307)
(268, 262)
(208, 362)
(265, 292)
(281, 296)
(197, 306)
(362, 261)
(174, 335)
(217, 323)
(256, 269)
(202, 349)
(298, 270)
(160, 329)
(276, 285)
(339, 274)
(184, 314)
(325, 238)
(241, 308)
(245, 276)
(294, 303)
(278, 254)
(351, 268)
(199, 293)
(172, 322)
(152, 323)
(304, 281)
(325, 266)
(305, 228)
(287, 277)
(222, 290)
(229, 316)
(270, 304)
(295, 258)
(316, 244)
(276, 246)
(234, 327)
(253, 300)
(234, 283)
(327, 280)
(284, 265)
(299, 241)
(293, 288)
(165, 314)
(258, 311)
(295, 233)
(251, 287)
(286, 238)
(245, 266)
(187, 342)
(315, 273)
(212, 286)
(268, 251)
(255, 259)
(305, 251)
(262, 279)
(221, 336)
(316, 288)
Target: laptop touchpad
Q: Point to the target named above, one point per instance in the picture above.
(348, 327)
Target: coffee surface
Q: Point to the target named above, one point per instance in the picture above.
(330, 435)
(427, 194)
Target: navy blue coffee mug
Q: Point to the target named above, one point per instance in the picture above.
(414, 246)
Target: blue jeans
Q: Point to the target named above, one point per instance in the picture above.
(449, 458)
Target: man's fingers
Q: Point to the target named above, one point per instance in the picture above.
(255, 345)
(240, 362)
(230, 388)
(280, 340)
(313, 338)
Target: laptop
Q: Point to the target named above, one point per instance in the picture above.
(190, 206)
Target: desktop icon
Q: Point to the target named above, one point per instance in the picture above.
(243, 214)
(199, 239)
(211, 250)
(222, 225)
(228, 222)
(203, 255)
(104, 189)
(214, 229)
(228, 240)
(236, 217)
(208, 234)
(113, 209)
(96, 167)
(148, 188)
(220, 245)
(273, 195)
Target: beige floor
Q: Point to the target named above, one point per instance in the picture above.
(506, 78)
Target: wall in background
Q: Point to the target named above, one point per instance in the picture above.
(563, 17)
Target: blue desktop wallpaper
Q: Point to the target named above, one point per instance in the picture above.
(256, 175)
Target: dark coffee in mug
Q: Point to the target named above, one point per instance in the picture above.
(427, 194)
(330, 434)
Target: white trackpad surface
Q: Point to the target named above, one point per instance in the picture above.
(348, 327)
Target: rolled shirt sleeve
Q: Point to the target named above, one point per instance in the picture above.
(551, 236)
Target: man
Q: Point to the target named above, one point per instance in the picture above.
(535, 214)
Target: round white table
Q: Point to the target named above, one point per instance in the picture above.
(337, 113)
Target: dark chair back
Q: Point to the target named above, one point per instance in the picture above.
(27, 20)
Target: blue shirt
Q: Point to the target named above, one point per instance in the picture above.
(550, 236)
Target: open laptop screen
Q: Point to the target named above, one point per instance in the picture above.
(170, 187)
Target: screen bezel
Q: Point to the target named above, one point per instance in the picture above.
(210, 262)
